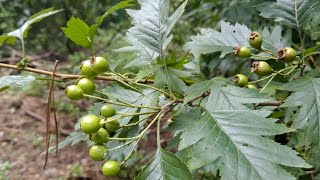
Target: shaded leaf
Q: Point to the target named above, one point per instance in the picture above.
(306, 95)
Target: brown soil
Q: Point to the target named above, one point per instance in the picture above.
(22, 132)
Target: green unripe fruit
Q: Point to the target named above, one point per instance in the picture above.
(242, 51)
(287, 54)
(74, 92)
(261, 68)
(107, 111)
(102, 136)
(90, 124)
(112, 126)
(98, 152)
(87, 85)
(86, 69)
(110, 168)
(99, 64)
(255, 40)
(240, 80)
(251, 86)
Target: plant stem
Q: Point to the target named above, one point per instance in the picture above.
(60, 75)
(269, 52)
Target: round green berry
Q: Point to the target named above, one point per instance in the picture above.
(287, 54)
(99, 64)
(87, 85)
(74, 92)
(107, 111)
(261, 68)
(110, 168)
(98, 152)
(240, 80)
(90, 124)
(112, 126)
(243, 52)
(255, 40)
(86, 69)
(102, 136)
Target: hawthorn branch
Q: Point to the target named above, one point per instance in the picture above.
(63, 76)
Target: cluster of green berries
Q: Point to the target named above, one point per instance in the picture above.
(99, 134)
(90, 69)
(90, 124)
(261, 68)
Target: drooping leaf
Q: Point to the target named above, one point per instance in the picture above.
(23, 30)
(210, 41)
(78, 31)
(165, 166)
(306, 95)
(235, 136)
(16, 81)
(150, 34)
(297, 14)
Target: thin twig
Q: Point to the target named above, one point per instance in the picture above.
(62, 76)
(50, 97)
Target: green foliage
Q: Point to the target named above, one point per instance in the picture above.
(297, 14)
(165, 165)
(22, 32)
(306, 94)
(209, 40)
(219, 130)
(15, 81)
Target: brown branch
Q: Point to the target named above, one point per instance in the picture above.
(63, 76)
(50, 98)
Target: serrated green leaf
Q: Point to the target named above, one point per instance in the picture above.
(306, 95)
(227, 97)
(275, 40)
(210, 41)
(297, 14)
(73, 138)
(165, 166)
(5, 39)
(169, 79)
(78, 32)
(20, 32)
(16, 81)
(197, 90)
(236, 136)
(150, 34)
